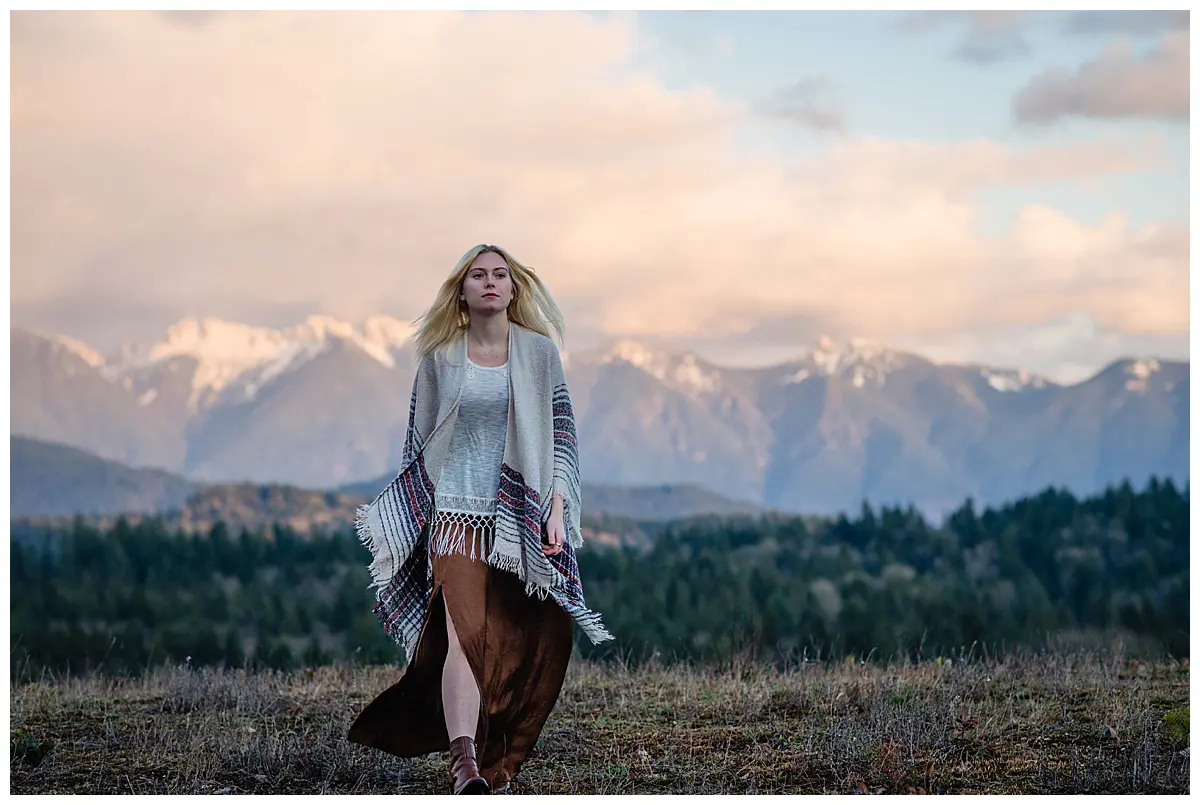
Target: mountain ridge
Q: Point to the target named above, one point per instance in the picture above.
(841, 423)
(213, 339)
(377, 331)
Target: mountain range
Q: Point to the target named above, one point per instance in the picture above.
(324, 404)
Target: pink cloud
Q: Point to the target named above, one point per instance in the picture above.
(349, 159)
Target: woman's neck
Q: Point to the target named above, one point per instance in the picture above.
(489, 332)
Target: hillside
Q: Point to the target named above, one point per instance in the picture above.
(52, 482)
(51, 479)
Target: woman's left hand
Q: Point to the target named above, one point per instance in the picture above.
(556, 531)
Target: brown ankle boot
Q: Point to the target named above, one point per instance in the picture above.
(464, 770)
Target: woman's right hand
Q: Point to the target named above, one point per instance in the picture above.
(556, 531)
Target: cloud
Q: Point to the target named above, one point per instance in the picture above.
(1129, 279)
(106, 315)
(190, 17)
(1130, 23)
(987, 37)
(810, 103)
(1068, 348)
(744, 336)
(265, 164)
(1116, 84)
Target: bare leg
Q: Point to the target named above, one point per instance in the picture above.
(460, 693)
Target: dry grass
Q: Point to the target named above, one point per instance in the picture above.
(1022, 724)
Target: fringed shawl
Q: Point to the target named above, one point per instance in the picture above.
(540, 457)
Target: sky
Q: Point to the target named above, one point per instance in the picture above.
(1007, 188)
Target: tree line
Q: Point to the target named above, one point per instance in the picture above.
(883, 582)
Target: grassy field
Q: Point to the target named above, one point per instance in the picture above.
(1061, 723)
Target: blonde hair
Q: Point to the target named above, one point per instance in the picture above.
(448, 317)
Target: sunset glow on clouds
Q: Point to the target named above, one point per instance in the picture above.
(263, 166)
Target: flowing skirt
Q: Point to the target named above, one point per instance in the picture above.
(518, 647)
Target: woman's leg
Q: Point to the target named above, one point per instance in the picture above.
(460, 693)
(461, 705)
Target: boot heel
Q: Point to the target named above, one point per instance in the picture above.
(464, 770)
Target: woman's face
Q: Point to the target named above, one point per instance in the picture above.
(488, 286)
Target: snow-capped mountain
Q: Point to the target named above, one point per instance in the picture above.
(684, 372)
(865, 362)
(1140, 374)
(861, 360)
(674, 415)
(325, 402)
(1012, 379)
(229, 362)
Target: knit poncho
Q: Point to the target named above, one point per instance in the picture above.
(540, 457)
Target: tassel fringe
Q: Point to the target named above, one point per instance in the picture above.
(458, 533)
(383, 564)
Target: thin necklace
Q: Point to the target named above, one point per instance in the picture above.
(479, 346)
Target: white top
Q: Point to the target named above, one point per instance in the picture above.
(470, 478)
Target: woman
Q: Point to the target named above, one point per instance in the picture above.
(473, 544)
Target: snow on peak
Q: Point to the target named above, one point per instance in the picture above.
(799, 376)
(633, 352)
(1011, 379)
(831, 356)
(387, 330)
(688, 375)
(89, 355)
(861, 359)
(1139, 373)
(382, 334)
(682, 372)
(211, 339)
(235, 360)
(223, 351)
(318, 328)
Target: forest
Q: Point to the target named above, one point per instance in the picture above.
(883, 583)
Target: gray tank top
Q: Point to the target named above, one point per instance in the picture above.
(470, 476)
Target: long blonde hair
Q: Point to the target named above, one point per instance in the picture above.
(448, 316)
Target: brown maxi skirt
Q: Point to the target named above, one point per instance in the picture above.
(518, 647)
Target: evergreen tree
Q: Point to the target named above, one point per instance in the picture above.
(232, 653)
